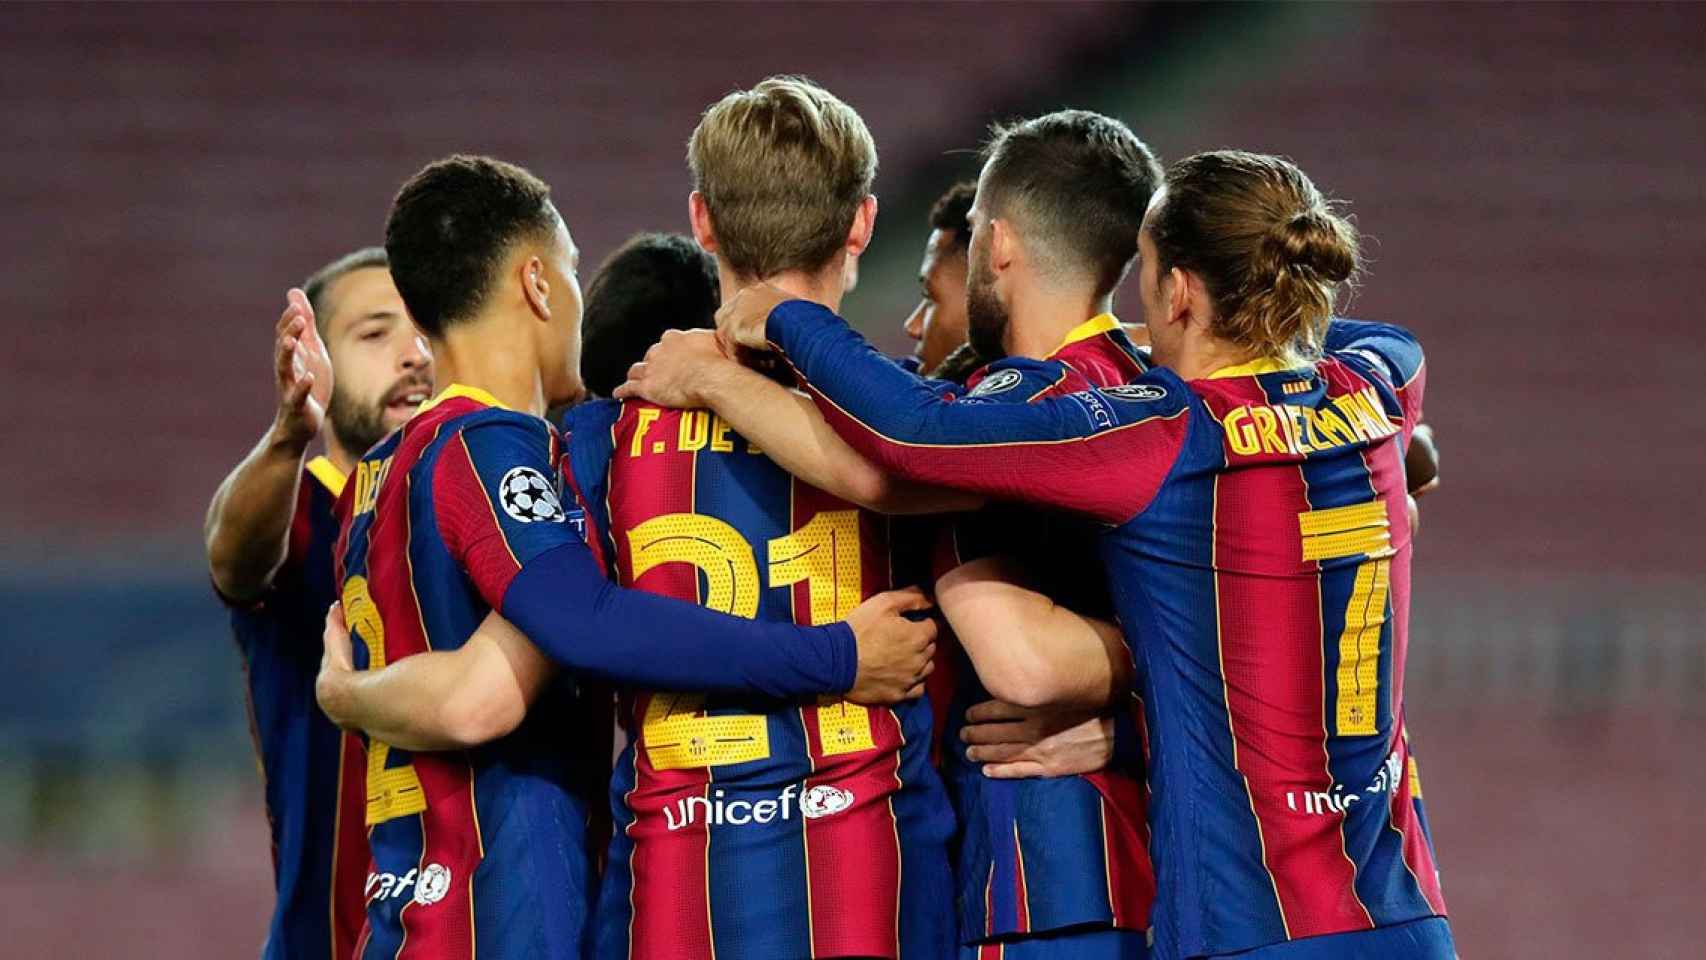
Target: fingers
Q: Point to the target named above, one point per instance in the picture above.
(913, 692)
(997, 752)
(627, 390)
(335, 617)
(296, 395)
(911, 598)
(997, 733)
(995, 711)
(1022, 770)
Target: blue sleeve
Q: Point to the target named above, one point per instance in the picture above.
(1395, 350)
(499, 511)
(595, 628)
(1389, 352)
(1096, 452)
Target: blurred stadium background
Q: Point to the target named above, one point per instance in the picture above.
(1531, 176)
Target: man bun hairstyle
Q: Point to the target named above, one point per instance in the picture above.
(1077, 184)
(1272, 251)
(450, 229)
(783, 168)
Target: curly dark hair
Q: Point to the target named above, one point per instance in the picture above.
(450, 228)
(950, 210)
(652, 283)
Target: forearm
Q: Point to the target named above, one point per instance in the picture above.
(900, 423)
(788, 427)
(247, 530)
(442, 700)
(588, 625)
(1027, 649)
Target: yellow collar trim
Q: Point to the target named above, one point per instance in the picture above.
(1257, 366)
(328, 474)
(461, 390)
(1093, 327)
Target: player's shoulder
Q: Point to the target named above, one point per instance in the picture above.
(1014, 380)
(1388, 351)
(595, 411)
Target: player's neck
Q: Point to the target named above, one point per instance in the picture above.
(1196, 356)
(824, 287)
(336, 452)
(1042, 318)
(484, 354)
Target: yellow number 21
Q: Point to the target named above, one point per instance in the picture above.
(824, 554)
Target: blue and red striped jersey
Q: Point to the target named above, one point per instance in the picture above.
(1259, 554)
(481, 851)
(751, 826)
(319, 849)
(1051, 853)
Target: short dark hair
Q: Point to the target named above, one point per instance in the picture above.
(950, 210)
(1078, 183)
(318, 285)
(652, 283)
(450, 228)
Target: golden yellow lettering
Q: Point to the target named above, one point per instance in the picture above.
(646, 417)
(1239, 433)
(1353, 415)
(715, 548)
(396, 791)
(825, 553)
(694, 431)
(1267, 427)
(1332, 425)
(720, 441)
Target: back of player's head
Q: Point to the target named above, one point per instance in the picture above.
(1270, 249)
(652, 283)
(783, 168)
(318, 287)
(450, 229)
(949, 213)
(1076, 184)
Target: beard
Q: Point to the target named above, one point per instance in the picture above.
(986, 315)
(357, 425)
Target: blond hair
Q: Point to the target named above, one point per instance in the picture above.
(1270, 249)
(783, 168)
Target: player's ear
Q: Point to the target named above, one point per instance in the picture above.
(1003, 244)
(699, 215)
(864, 226)
(1182, 291)
(535, 289)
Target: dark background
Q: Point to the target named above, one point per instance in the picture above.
(1529, 176)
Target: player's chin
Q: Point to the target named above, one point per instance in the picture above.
(394, 415)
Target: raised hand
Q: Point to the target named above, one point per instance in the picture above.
(895, 651)
(1015, 742)
(676, 370)
(302, 372)
(742, 318)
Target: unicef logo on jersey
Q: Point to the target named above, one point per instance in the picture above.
(824, 800)
(528, 497)
(433, 884)
(716, 810)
